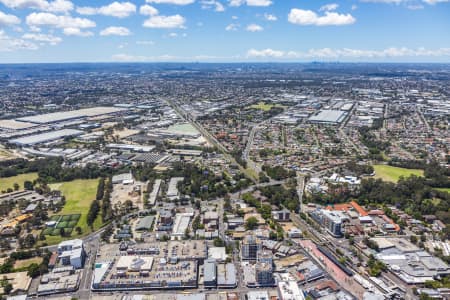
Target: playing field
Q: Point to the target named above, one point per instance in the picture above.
(79, 195)
(393, 174)
(8, 182)
(26, 262)
(264, 106)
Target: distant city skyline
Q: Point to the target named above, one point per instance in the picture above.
(33, 31)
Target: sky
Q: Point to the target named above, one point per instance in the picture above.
(41, 31)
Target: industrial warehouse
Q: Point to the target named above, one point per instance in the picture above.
(44, 128)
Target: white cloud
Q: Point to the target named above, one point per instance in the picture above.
(46, 38)
(308, 17)
(74, 31)
(148, 10)
(415, 6)
(354, 7)
(115, 9)
(259, 2)
(433, 2)
(270, 17)
(7, 20)
(329, 7)
(20, 4)
(213, 4)
(232, 27)
(175, 21)
(254, 28)
(145, 43)
(385, 1)
(87, 10)
(176, 2)
(137, 58)
(48, 19)
(253, 53)
(60, 6)
(347, 53)
(250, 2)
(8, 44)
(115, 30)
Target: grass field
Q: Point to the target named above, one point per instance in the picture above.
(8, 182)
(26, 262)
(444, 190)
(79, 195)
(393, 174)
(264, 106)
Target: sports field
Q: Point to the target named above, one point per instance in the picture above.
(264, 106)
(393, 174)
(79, 195)
(8, 182)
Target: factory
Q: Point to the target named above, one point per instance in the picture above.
(330, 117)
(410, 263)
(71, 115)
(45, 137)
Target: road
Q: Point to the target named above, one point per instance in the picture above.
(211, 139)
(92, 244)
(300, 189)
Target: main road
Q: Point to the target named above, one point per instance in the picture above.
(211, 139)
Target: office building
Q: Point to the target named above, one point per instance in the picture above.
(250, 247)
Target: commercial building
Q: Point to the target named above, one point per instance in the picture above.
(181, 224)
(60, 280)
(154, 193)
(289, 290)
(172, 191)
(410, 263)
(72, 253)
(134, 263)
(145, 223)
(226, 276)
(258, 295)
(331, 117)
(45, 137)
(281, 215)
(210, 273)
(331, 220)
(264, 274)
(125, 178)
(251, 245)
(217, 253)
(71, 115)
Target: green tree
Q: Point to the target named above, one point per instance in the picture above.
(251, 223)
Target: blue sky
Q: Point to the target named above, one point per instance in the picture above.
(224, 30)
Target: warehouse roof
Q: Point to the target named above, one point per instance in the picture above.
(69, 115)
(145, 223)
(45, 137)
(329, 116)
(15, 125)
